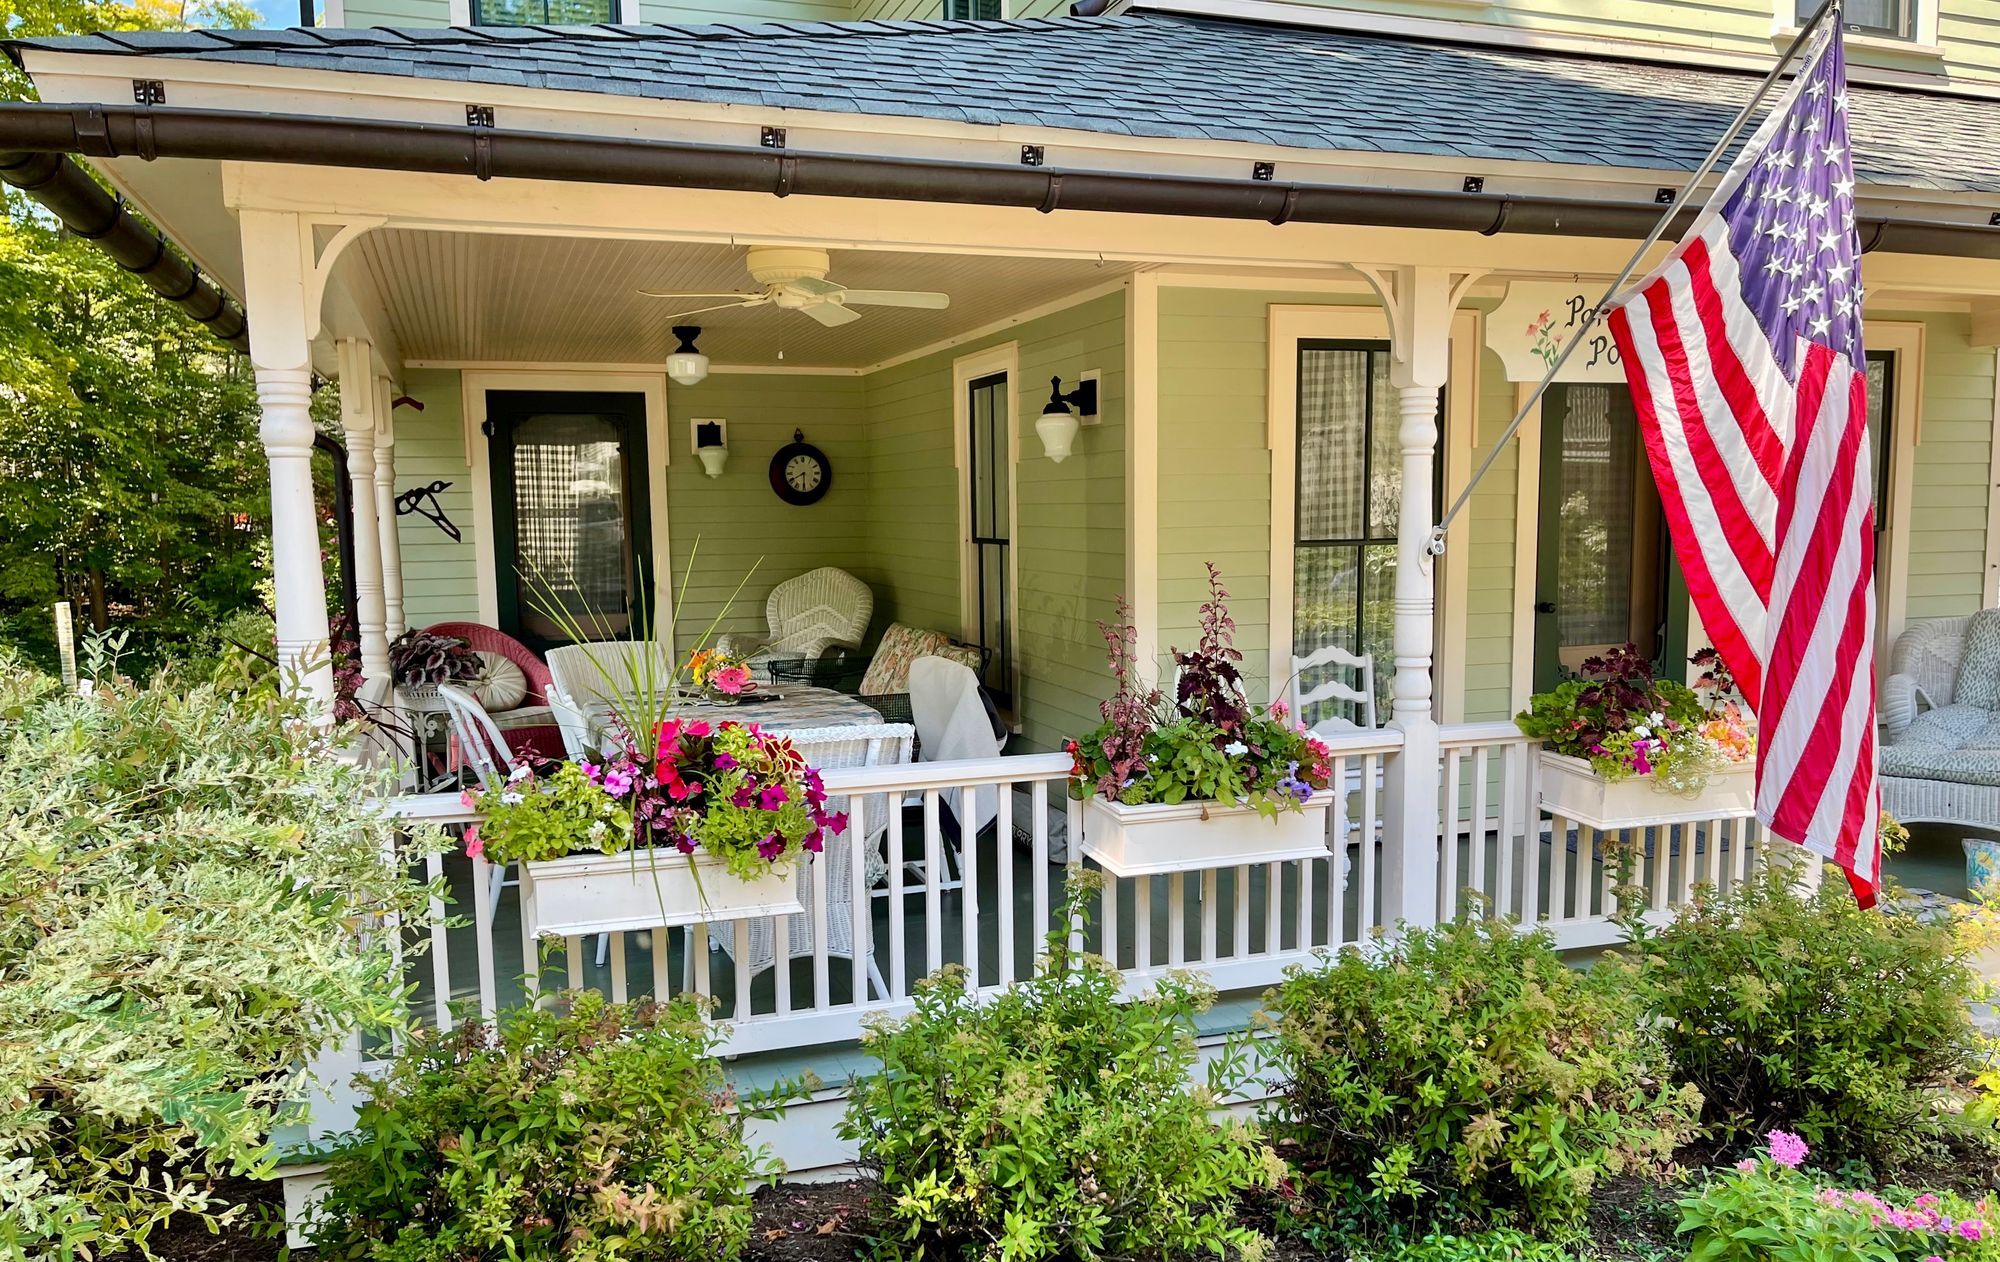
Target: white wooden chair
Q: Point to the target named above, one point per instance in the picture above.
(824, 748)
(587, 676)
(807, 615)
(1332, 691)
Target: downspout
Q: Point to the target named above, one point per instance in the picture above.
(88, 211)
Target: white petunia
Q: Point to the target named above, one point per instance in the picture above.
(518, 773)
(1641, 732)
(1235, 749)
(511, 798)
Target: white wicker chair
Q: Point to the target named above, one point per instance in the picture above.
(585, 676)
(1923, 675)
(860, 745)
(808, 615)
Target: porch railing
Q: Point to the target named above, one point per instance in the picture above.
(917, 893)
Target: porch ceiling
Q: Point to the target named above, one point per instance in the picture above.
(491, 298)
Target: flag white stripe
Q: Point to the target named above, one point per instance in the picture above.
(1724, 430)
(1753, 349)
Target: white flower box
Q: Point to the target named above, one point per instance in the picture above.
(1192, 836)
(594, 893)
(1571, 789)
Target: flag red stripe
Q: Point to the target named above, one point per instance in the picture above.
(1766, 448)
(1737, 652)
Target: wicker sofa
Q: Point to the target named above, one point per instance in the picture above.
(1938, 763)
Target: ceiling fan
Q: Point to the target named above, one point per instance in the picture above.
(794, 279)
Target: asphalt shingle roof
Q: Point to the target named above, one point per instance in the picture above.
(1144, 74)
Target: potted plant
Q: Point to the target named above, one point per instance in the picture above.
(683, 821)
(1623, 749)
(421, 661)
(1205, 779)
(718, 677)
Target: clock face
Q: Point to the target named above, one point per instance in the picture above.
(803, 473)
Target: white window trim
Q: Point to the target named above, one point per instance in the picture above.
(1922, 42)
(653, 386)
(1288, 325)
(966, 369)
(460, 12)
(1904, 340)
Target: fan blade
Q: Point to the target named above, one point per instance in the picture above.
(727, 306)
(896, 298)
(813, 285)
(831, 314)
(656, 293)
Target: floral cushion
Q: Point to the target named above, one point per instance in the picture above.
(1979, 663)
(1959, 743)
(889, 671)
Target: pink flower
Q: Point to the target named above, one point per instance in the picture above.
(773, 797)
(731, 680)
(1748, 1165)
(771, 848)
(1972, 1229)
(475, 845)
(1786, 1148)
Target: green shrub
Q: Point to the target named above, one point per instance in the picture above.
(1794, 1008)
(1769, 1210)
(1052, 1121)
(1463, 1074)
(606, 1133)
(1498, 1244)
(181, 878)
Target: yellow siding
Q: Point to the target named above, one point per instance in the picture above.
(1486, 545)
(1951, 480)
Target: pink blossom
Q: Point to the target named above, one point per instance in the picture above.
(731, 680)
(1972, 1229)
(1747, 1165)
(475, 845)
(1786, 1148)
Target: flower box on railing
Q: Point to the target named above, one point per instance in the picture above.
(595, 893)
(1191, 836)
(1572, 789)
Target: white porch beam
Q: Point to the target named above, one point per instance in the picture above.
(1419, 302)
(357, 422)
(274, 291)
(394, 615)
(1985, 322)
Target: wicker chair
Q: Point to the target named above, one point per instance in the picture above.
(808, 615)
(864, 745)
(531, 726)
(1923, 675)
(585, 676)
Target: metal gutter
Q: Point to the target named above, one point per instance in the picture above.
(33, 133)
(89, 211)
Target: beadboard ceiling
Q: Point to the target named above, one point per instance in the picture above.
(488, 298)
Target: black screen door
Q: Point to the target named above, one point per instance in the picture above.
(571, 527)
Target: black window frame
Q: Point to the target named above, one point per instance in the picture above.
(1905, 27)
(973, 10)
(997, 673)
(483, 16)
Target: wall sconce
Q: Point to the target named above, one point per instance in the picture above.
(711, 443)
(1056, 426)
(687, 366)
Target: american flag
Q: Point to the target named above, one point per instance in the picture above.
(1743, 351)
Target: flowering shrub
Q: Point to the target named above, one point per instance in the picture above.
(605, 1134)
(1795, 1008)
(730, 790)
(418, 657)
(1769, 1210)
(1625, 722)
(1055, 1120)
(1464, 1074)
(1209, 743)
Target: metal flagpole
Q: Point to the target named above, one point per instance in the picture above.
(1595, 313)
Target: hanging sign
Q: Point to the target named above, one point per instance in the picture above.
(1529, 329)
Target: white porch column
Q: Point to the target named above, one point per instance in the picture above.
(357, 422)
(274, 267)
(1419, 302)
(385, 507)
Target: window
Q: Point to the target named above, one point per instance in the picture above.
(987, 470)
(969, 10)
(543, 12)
(1350, 483)
(1889, 18)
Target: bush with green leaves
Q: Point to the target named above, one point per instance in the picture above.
(1053, 1120)
(182, 877)
(1496, 1244)
(1792, 1007)
(1463, 1074)
(600, 1134)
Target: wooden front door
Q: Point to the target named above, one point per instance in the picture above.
(572, 531)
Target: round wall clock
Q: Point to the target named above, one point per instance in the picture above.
(800, 472)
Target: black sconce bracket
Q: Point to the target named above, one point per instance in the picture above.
(1083, 398)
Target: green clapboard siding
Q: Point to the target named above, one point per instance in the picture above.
(416, 13)
(734, 528)
(1215, 488)
(1069, 534)
(440, 577)
(1951, 480)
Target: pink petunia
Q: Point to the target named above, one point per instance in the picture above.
(1972, 1229)
(475, 845)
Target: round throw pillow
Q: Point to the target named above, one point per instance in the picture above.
(501, 685)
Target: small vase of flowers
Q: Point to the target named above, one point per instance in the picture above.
(1615, 739)
(1205, 779)
(718, 677)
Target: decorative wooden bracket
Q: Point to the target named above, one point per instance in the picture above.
(321, 256)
